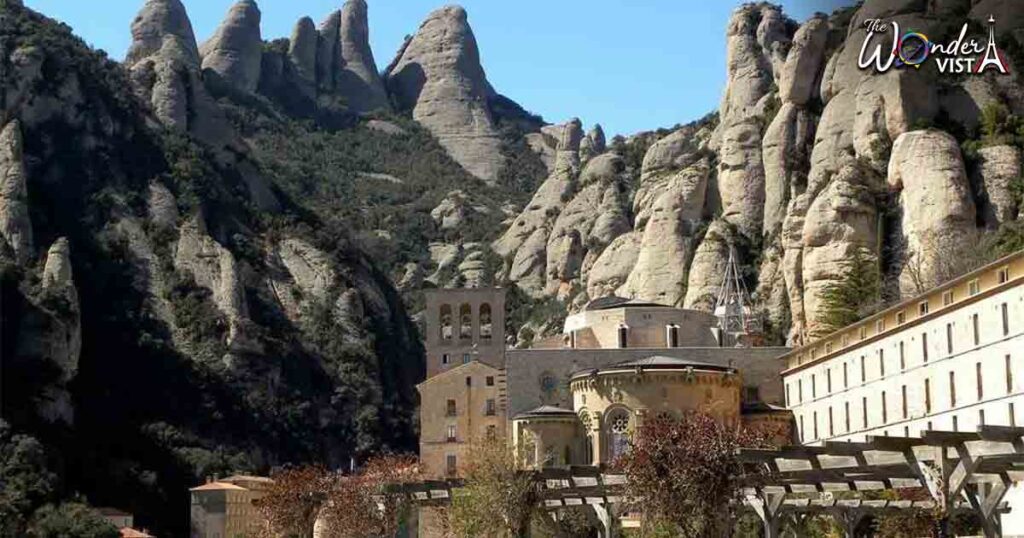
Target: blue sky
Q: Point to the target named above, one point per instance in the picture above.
(630, 65)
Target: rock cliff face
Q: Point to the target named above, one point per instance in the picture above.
(813, 162)
(235, 51)
(134, 176)
(15, 227)
(438, 77)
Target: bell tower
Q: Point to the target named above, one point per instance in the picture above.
(463, 325)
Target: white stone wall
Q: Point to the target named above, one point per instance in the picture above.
(1000, 391)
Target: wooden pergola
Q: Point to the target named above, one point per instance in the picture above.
(962, 471)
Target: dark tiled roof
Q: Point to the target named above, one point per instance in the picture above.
(546, 411)
(659, 362)
(613, 301)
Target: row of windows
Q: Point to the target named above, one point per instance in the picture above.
(950, 348)
(905, 403)
(490, 408)
(453, 437)
(465, 328)
(923, 308)
(1010, 409)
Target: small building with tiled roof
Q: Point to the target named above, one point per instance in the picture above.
(225, 507)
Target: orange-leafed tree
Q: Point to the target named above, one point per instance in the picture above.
(684, 474)
(293, 501)
(373, 501)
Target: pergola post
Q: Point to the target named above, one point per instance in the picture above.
(606, 515)
(849, 519)
(767, 505)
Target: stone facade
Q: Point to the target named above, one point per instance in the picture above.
(223, 508)
(477, 388)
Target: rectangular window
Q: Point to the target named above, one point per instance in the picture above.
(864, 410)
(491, 409)
(977, 329)
(814, 386)
(803, 432)
(451, 465)
(469, 381)
(828, 380)
(1006, 319)
(903, 357)
(906, 431)
(981, 389)
(922, 309)
(815, 425)
(788, 401)
(880, 326)
(828, 348)
(466, 357)
(973, 287)
(901, 318)
(800, 390)
(863, 370)
(956, 424)
(981, 417)
(846, 377)
(949, 338)
(924, 347)
(451, 433)
(1009, 376)
(947, 298)
(847, 406)
(492, 431)
(928, 397)
(885, 410)
(1013, 416)
(490, 381)
(1004, 275)
(905, 410)
(445, 359)
(831, 427)
(952, 389)
(881, 362)
(450, 409)
(863, 333)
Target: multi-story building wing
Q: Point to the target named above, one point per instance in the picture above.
(951, 359)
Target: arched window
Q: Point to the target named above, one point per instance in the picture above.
(623, 335)
(618, 433)
(465, 322)
(485, 321)
(672, 335)
(587, 457)
(446, 322)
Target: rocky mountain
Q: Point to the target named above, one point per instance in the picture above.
(203, 242)
(164, 300)
(811, 162)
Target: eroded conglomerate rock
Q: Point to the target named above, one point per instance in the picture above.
(214, 268)
(938, 211)
(841, 221)
(235, 51)
(160, 18)
(670, 238)
(997, 169)
(358, 79)
(438, 76)
(15, 225)
(302, 53)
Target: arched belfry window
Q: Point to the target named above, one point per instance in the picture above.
(446, 322)
(485, 321)
(465, 322)
(672, 335)
(623, 335)
(618, 433)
